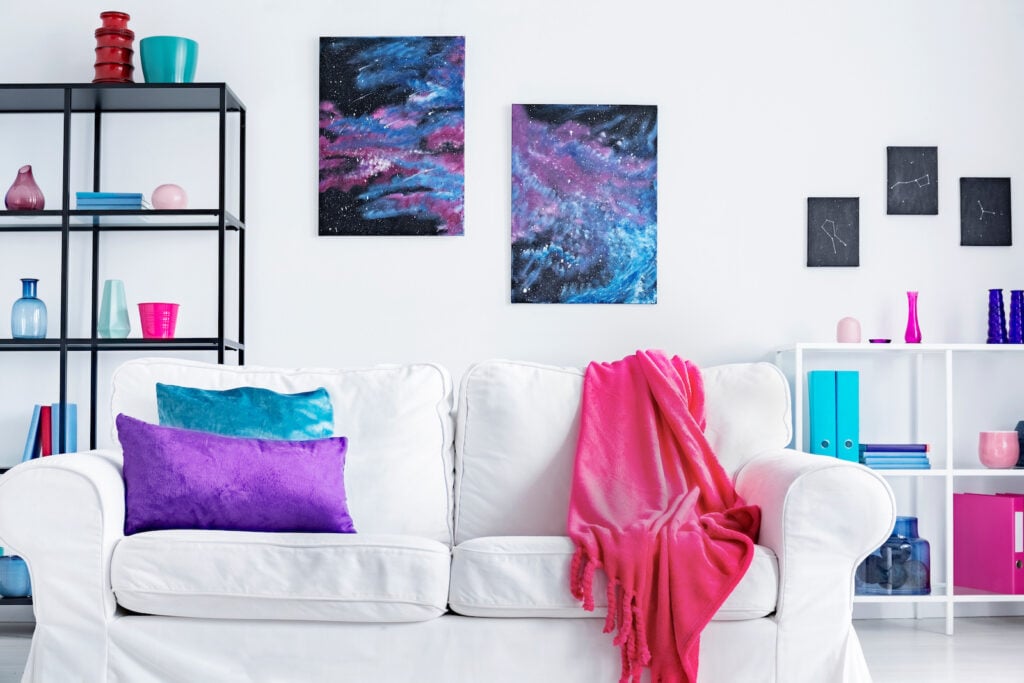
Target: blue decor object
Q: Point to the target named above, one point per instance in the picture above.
(247, 412)
(14, 579)
(28, 315)
(113, 321)
(1015, 333)
(902, 566)
(996, 317)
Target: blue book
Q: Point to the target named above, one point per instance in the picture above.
(32, 441)
(899, 464)
(821, 399)
(914, 466)
(895, 461)
(136, 196)
(70, 428)
(895, 447)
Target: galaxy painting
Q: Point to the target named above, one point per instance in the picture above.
(584, 204)
(392, 135)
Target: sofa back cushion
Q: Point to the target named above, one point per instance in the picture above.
(517, 428)
(398, 471)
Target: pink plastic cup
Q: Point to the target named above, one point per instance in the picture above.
(998, 450)
(158, 320)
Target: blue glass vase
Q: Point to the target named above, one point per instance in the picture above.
(28, 316)
(14, 578)
(902, 566)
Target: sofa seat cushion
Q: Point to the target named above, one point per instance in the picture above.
(528, 576)
(299, 576)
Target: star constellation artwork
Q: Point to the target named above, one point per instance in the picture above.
(913, 181)
(833, 231)
(985, 218)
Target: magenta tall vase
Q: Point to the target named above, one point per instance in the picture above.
(913, 333)
(24, 194)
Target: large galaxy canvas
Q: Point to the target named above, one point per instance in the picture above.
(584, 204)
(391, 135)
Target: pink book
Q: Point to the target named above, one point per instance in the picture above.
(988, 542)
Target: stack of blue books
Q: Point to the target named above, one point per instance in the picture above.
(895, 456)
(109, 200)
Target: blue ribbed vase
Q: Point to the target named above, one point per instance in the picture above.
(28, 315)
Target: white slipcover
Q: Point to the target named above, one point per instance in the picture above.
(397, 418)
(244, 575)
(528, 576)
(518, 424)
(65, 515)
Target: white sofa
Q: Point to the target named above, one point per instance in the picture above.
(459, 569)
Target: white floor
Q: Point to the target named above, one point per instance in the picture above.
(983, 649)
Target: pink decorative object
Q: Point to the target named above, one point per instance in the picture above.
(24, 194)
(998, 450)
(169, 196)
(158, 320)
(913, 333)
(848, 331)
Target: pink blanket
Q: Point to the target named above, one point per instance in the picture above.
(651, 505)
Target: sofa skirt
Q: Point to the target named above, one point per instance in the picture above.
(449, 649)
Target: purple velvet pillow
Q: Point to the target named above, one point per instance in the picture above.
(182, 479)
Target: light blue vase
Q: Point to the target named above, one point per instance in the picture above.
(28, 316)
(14, 577)
(113, 321)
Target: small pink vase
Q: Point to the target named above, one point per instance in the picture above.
(24, 194)
(913, 333)
(998, 450)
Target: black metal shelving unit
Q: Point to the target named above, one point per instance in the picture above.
(97, 99)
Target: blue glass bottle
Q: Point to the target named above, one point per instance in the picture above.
(28, 316)
(902, 566)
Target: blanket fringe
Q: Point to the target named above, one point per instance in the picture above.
(582, 573)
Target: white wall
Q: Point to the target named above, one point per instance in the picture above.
(760, 106)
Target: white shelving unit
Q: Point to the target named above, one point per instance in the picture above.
(941, 411)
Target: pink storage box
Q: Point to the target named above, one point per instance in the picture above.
(988, 542)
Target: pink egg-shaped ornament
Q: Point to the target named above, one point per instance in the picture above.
(169, 196)
(848, 331)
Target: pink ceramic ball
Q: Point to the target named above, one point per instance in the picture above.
(169, 197)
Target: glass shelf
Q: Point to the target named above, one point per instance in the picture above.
(129, 344)
(114, 220)
(38, 98)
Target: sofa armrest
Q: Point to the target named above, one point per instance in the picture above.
(822, 517)
(64, 514)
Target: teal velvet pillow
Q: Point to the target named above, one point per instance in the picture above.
(247, 412)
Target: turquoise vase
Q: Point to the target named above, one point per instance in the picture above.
(14, 577)
(113, 322)
(28, 316)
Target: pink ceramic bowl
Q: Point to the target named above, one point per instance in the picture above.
(998, 450)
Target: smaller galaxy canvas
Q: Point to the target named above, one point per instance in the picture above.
(833, 231)
(391, 135)
(985, 212)
(584, 204)
(913, 181)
